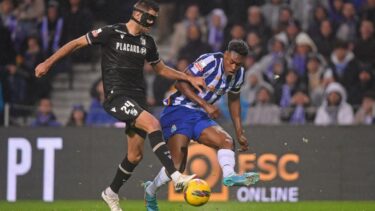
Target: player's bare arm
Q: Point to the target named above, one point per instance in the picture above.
(170, 73)
(67, 49)
(235, 113)
(186, 89)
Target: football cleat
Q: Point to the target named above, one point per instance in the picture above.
(150, 201)
(246, 179)
(112, 201)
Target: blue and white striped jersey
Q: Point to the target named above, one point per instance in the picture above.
(210, 67)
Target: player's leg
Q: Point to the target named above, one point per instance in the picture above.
(129, 111)
(151, 125)
(217, 138)
(178, 145)
(125, 169)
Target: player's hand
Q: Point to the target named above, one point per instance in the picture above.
(41, 69)
(197, 82)
(242, 140)
(212, 111)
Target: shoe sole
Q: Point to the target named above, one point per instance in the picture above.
(251, 179)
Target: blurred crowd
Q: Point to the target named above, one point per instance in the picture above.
(310, 61)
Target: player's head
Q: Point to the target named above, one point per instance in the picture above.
(235, 56)
(145, 13)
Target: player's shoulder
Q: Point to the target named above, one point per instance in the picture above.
(210, 58)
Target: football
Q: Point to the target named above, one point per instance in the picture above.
(197, 192)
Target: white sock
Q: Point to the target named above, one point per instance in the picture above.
(160, 180)
(175, 176)
(226, 161)
(109, 192)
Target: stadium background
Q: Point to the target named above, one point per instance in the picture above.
(301, 52)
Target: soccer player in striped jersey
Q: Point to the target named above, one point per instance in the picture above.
(189, 115)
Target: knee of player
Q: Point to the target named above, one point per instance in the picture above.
(153, 125)
(135, 158)
(227, 143)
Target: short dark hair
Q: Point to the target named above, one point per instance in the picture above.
(238, 46)
(147, 4)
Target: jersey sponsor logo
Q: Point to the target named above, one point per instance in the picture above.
(199, 65)
(131, 48)
(95, 33)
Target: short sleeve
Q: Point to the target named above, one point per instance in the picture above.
(201, 66)
(98, 36)
(152, 55)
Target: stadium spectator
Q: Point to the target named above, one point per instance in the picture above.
(165, 20)
(335, 10)
(179, 39)
(51, 29)
(217, 21)
(45, 116)
(304, 46)
(256, 46)
(305, 11)
(348, 26)
(236, 32)
(77, 116)
(256, 23)
(29, 13)
(315, 69)
(345, 67)
(273, 64)
(16, 87)
(263, 111)
(284, 92)
(296, 113)
(253, 82)
(37, 88)
(368, 11)
(334, 109)
(7, 52)
(325, 39)
(7, 17)
(364, 48)
(271, 10)
(366, 113)
(290, 35)
(319, 15)
(77, 21)
(366, 84)
(194, 46)
(96, 115)
(285, 16)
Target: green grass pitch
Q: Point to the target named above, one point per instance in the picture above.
(132, 205)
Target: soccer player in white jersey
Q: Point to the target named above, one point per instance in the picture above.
(189, 115)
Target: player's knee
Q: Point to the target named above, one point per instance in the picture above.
(135, 158)
(153, 125)
(227, 143)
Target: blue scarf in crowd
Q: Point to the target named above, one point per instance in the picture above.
(56, 37)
